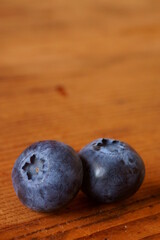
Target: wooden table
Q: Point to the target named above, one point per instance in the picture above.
(76, 71)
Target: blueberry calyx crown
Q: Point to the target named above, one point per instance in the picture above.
(35, 168)
(103, 143)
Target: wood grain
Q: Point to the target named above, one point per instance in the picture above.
(75, 71)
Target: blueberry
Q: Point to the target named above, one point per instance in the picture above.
(112, 170)
(47, 175)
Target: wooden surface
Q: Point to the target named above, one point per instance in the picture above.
(75, 71)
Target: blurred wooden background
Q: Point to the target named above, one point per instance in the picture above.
(75, 71)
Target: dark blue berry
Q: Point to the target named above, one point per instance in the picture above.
(47, 175)
(112, 170)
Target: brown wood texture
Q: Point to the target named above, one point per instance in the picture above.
(75, 71)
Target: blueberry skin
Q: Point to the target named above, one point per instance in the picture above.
(47, 175)
(112, 170)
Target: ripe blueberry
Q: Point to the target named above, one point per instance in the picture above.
(112, 170)
(47, 175)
